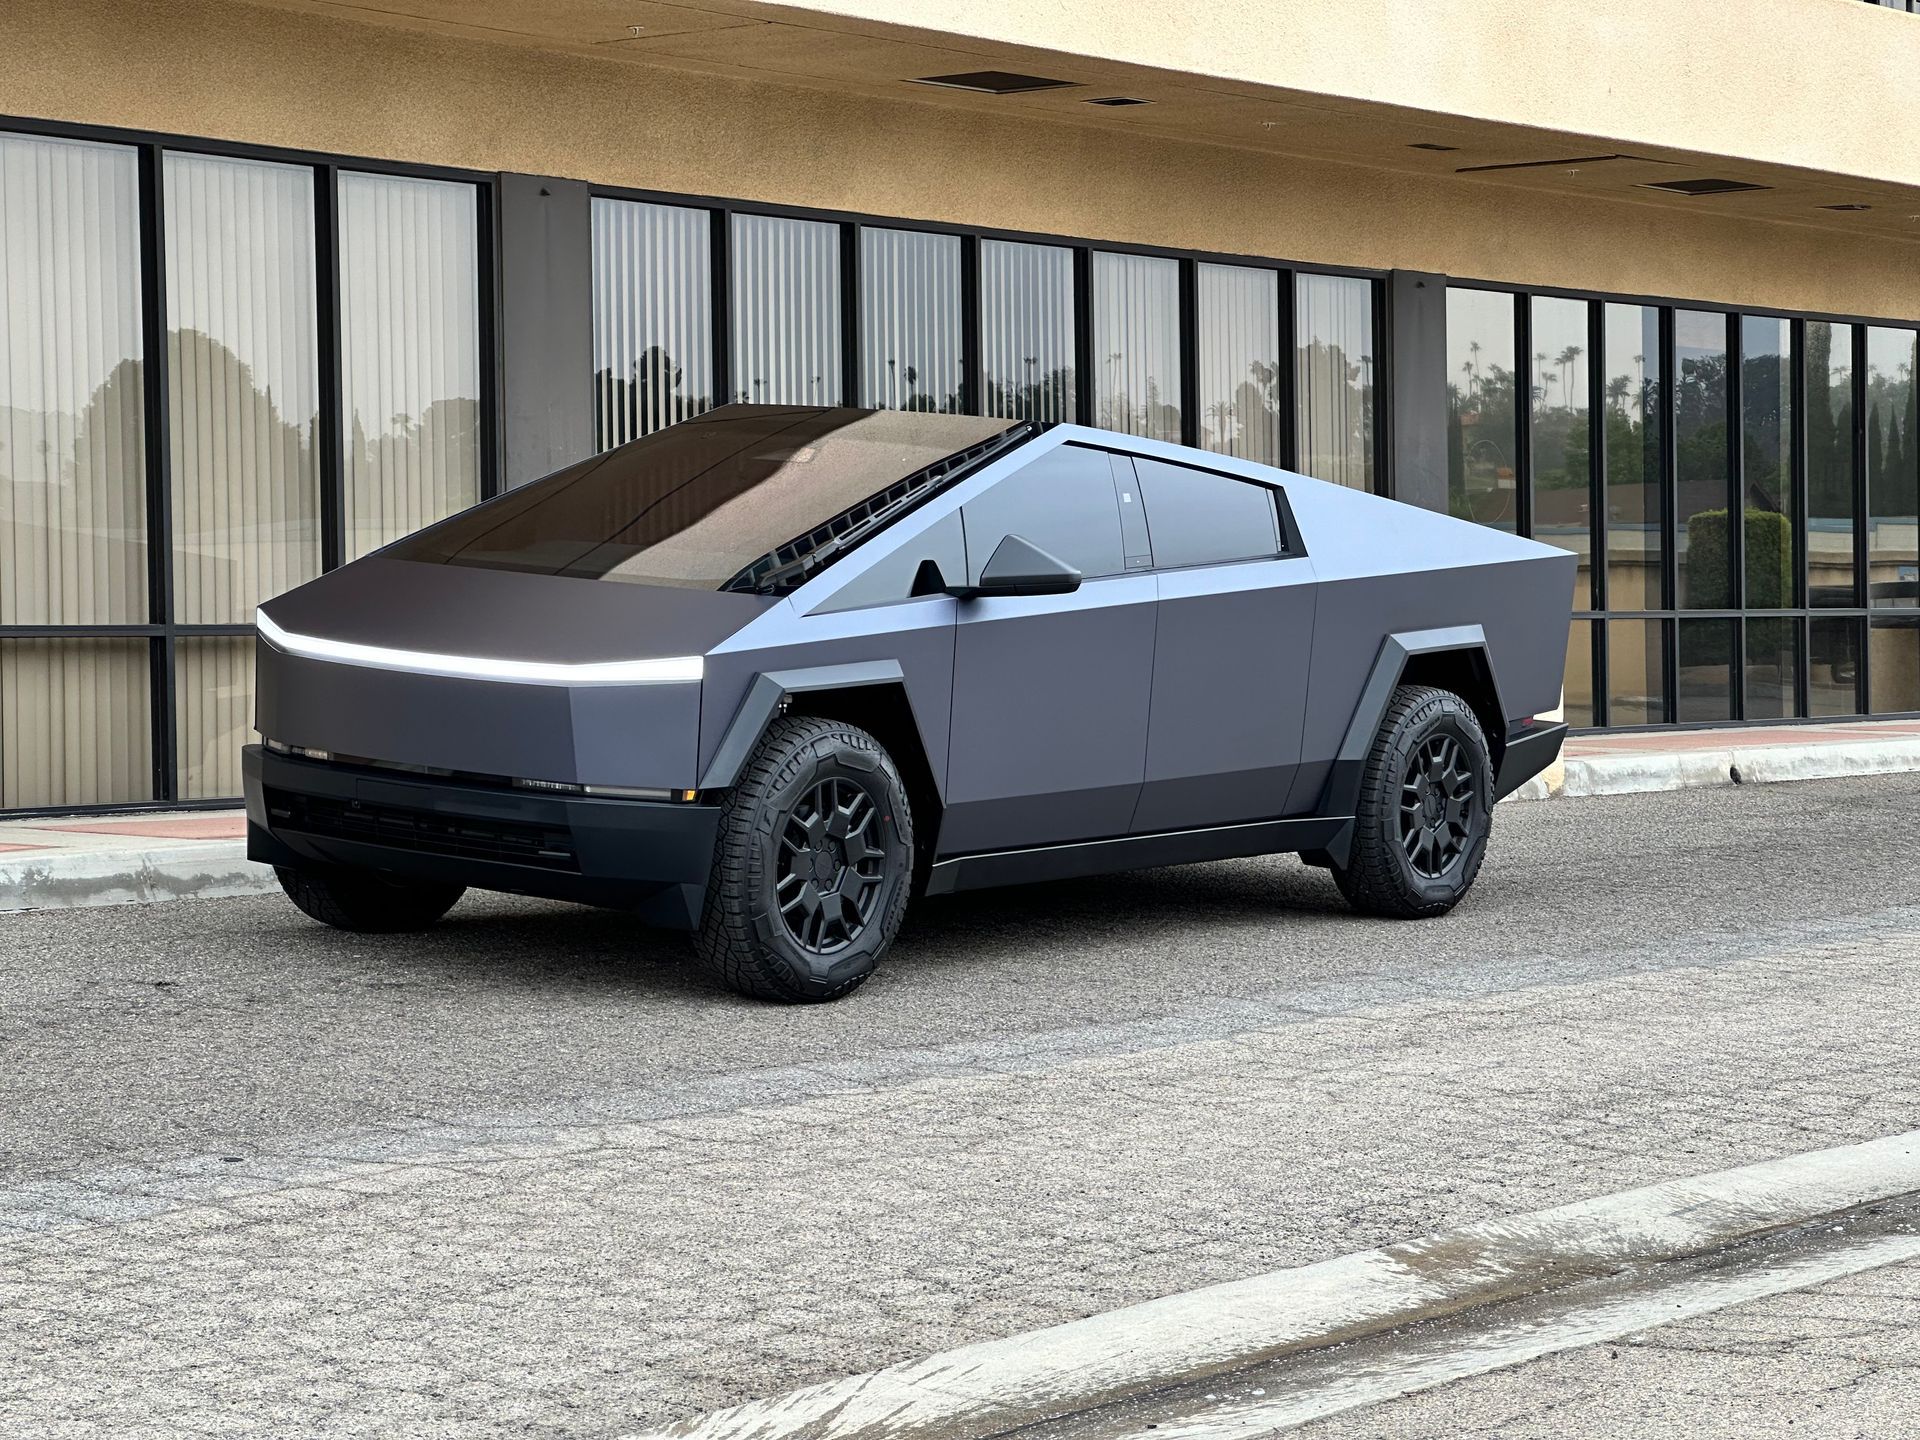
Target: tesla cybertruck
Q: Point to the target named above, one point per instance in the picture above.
(767, 673)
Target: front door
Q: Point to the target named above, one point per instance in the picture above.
(1051, 692)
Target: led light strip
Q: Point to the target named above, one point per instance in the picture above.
(675, 670)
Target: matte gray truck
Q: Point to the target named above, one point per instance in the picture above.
(768, 673)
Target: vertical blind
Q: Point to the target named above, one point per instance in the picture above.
(910, 346)
(1026, 330)
(1136, 344)
(410, 353)
(74, 716)
(1335, 386)
(786, 311)
(1239, 371)
(243, 382)
(652, 317)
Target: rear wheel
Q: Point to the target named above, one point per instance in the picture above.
(812, 867)
(1420, 830)
(367, 901)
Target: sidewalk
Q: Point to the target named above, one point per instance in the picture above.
(201, 855)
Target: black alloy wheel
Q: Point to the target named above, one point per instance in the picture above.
(832, 867)
(1436, 805)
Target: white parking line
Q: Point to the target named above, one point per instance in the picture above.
(988, 1388)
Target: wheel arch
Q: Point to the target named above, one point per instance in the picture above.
(1453, 658)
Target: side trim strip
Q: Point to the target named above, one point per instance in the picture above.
(1131, 852)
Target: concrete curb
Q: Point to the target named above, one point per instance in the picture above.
(996, 1386)
(194, 870)
(1636, 774)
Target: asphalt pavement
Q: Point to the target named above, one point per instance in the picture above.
(530, 1175)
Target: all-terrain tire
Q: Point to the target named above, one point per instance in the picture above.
(821, 799)
(1426, 808)
(367, 901)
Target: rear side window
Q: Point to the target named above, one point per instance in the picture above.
(1064, 502)
(1197, 517)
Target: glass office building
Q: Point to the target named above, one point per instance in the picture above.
(229, 362)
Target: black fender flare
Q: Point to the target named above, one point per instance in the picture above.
(1341, 797)
(769, 691)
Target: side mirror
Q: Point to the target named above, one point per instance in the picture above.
(1020, 567)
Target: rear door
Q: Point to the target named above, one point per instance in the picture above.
(1235, 635)
(1051, 692)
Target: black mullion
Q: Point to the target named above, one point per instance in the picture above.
(332, 420)
(492, 482)
(1597, 510)
(1524, 381)
(1737, 509)
(1383, 380)
(720, 289)
(973, 392)
(1669, 516)
(850, 356)
(1802, 535)
(159, 467)
(1602, 689)
(1189, 344)
(1083, 334)
(1862, 591)
(1287, 386)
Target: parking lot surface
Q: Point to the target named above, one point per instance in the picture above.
(529, 1175)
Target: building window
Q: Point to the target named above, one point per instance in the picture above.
(652, 318)
(1561, 433)
(1334, 399)
(1482, 430)
(1634, 388)
(1893, 470)
(1237, 328)
(1136, 345)
(1831, 516)
(1766, 444)
(243, 381)
(786, 311)
(910, 340)
(74, 722)
(410, 353)
(1027, 361)
(1704, 486)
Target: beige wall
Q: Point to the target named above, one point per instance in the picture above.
(205, 67)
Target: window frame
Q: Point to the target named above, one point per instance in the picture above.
(1282, 514)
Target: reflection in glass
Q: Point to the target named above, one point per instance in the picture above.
(73, 544)
(1893, 665)
(1482, 423)
(1704, 477)
(213, 688)
(1636, 672)
(1026, 330)
(652, 318)
(1893, 470)
(1766, 429)
(1833, 665)
(1772, 665)
(1577, 698)
(1830, 499)
(409, 353)
(74, 723)
(909, 320)
(1633, 389)
(1136, 344)
(1238, 325)
(1703, 683)
(1335, 409)
(786, 311)
(243, 381)
(1562, 434)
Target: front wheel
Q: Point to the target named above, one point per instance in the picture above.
(812, 865)
(1426, 808)
(367, 901)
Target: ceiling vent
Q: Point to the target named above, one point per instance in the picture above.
(1430, 145)
(1701, 187)
(1119, 100)
(995, 82)
(1540, 164)
(1846, 207)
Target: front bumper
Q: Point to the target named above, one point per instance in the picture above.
(648, 857)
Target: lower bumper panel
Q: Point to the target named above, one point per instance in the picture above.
(647, 857)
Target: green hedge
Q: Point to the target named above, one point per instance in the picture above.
(1769, 537)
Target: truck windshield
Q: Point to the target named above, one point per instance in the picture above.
(693, 504)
